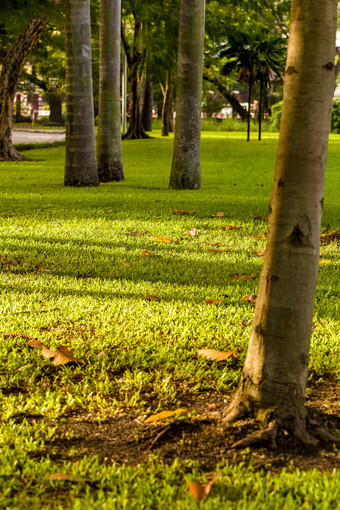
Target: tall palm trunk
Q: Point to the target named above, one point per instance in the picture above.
(186, 162)
(260, 108)
(80, 159)
(109, 146)
(13, 61)
(274, 376)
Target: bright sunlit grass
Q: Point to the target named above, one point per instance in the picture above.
(72, 273)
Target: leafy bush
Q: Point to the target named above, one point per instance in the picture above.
(276, 115)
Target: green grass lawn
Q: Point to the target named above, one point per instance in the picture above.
(73, 273)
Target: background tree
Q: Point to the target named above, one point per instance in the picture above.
(186, 161)
(80, 158)
(20, 30)
(109, 147)
(274, 378)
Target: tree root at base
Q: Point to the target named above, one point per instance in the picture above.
(292, 425)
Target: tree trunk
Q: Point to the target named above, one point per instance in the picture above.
(274, 376)
(109, 146)
(167, 106)
(135, 57)
(186, 162)
(13, 62)
(236, 106)
(55, 104)
(260, 108)
(249, 105)
(147, 106)
(80, 159)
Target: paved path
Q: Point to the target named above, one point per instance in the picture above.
(30, 136)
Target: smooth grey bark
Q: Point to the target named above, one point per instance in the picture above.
(80, 158)
(274, 377)
(186, 162)
(109, 146)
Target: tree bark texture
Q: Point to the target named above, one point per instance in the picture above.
(186, 162)
(167, 105)
(80, 159)
(109, 145)
(147, 106)
(13, 62)
(274, 376)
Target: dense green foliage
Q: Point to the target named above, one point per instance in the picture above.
(63, 280)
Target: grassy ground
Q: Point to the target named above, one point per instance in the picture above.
(73, 273)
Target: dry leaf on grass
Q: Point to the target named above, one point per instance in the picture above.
(213, 244)
(160, 239)
(163, 414)
(252, 298)
(231, 227)
(193, 232)
(69, 478)
(64, 356)
(35, 344)
(199, 491)
(238, 277)
(47, 353)
(126, 264)
(219, 215)
(151, 298)
(214, 302)
(325, 261)
(217, 355)
(182, 211)
(148, 254)
(260, 253)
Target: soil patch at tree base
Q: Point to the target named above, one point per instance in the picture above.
(197, 435)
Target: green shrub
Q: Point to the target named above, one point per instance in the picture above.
(276, 115)
(335, 122)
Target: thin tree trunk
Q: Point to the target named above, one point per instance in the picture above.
(237, 107)
(249, 104)
(80, 158)
(12, 65)
(109, 146)
(260, 108)
(147, 106)
(274, 377)
(186, 162)
(55, 104)
(167, 106)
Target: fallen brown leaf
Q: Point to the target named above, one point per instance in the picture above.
(260, 253)
(35, 344)
(219, 215)
(243, 277)
(68, 478)
(214, 302)
(199, 491)
(212, 244)
(182, 211)
(217, 355)
(148, 254)
(160, 239)
(259, 218)
(163, 414)
(126, 264)
(325, 261)
(263, 236)
(47, 353)
(64, 356)
(252, 298)
(151, 298)
(232, 227)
